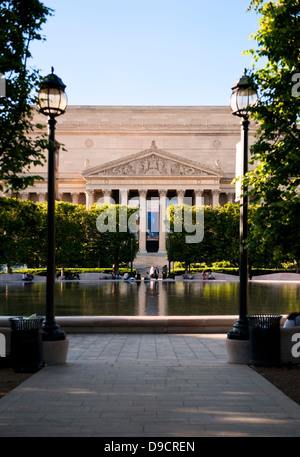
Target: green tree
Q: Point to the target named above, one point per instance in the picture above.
(220, 240)
(93, 253)
(182, 225)
(274, 182)
(109, 239)
(261, 255)
(70, 228)
(226, 230)
(20, 24)
(22, 233)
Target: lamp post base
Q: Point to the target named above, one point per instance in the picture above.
(237, 342)
(237, 351)
(55, 352)
(240, 330)
(53, 332)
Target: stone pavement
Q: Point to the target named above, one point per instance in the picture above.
(148, 385)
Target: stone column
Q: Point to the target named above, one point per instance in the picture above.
(89, 194)
(106, 196)
(180, 196)
(142, 221)
(123, 197)
(41, 197)
(231, 197)
(215, 197)
(75, 198)
(199, 198)
(162, 218)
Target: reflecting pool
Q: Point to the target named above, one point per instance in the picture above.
(157, 298)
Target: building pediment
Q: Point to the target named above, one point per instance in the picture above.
(151, 162)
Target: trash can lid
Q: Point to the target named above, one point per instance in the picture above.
(268, 316)
(23, 323)
(263, 320)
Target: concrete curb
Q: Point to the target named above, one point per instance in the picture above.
(141, 324)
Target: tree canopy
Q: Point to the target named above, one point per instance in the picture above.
(20, 24)
(274, 183)
(22, 232)
(99, 236)
(220, 242)
(79, 242)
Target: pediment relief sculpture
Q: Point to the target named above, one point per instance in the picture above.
(153, 166)
(152, 162)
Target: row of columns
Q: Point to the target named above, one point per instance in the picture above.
(90, 196)
(123, 196)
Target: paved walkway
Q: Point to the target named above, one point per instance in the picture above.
(148, 385)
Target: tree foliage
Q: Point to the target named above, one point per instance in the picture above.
(79, 243)
(221, 238)
(70, 234)
(274, 182)
(99, 237)
(20, 24)
(113, 240)
(22, 232)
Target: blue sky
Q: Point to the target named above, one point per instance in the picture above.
(147, 52)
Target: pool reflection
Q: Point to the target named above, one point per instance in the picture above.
(157, 298)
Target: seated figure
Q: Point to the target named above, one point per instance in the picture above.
(293, 320)
(138, 276)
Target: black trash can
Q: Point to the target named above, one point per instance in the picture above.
(264, 339)
(26, 344)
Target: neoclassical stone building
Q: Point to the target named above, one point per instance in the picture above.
(141, 154)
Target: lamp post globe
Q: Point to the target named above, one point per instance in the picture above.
(52, 98)
(52, 102)
(243, 97)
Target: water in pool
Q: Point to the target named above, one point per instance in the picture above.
(157, 298)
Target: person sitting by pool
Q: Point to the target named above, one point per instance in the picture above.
(71, 276)
(164, 271)
(204, 275)
(293, 320)
(115, 276)
(147, 277)
(27, 277)
(126, 276)
(138, 276)
(186, 276)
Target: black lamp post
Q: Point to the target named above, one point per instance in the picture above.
(169, 249)
(131, 251)
(52, 102)
(243, 96)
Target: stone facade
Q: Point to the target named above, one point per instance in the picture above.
(129, 154)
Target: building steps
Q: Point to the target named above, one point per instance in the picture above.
(143, 262)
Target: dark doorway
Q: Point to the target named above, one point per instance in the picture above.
(152, 238)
